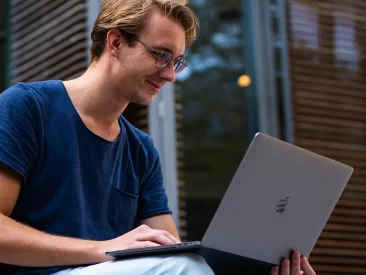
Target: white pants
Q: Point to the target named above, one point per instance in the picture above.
(179, 264)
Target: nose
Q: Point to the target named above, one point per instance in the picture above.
(168, 72)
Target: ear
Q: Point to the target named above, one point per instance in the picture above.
(113, 42)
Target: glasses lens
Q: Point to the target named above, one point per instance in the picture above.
(179, 65)
(163, 59)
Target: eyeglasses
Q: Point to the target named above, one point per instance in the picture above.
(163, 58)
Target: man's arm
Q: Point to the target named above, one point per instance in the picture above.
(24, 246)
(162, 222)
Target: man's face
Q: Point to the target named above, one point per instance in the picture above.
(142, 79)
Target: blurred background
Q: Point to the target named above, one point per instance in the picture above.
(293, 69)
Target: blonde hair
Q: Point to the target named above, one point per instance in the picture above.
(129, 16)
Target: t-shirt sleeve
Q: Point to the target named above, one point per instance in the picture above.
(153, 200)
(18, 128)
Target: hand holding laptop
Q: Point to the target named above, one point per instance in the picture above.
(298, 266)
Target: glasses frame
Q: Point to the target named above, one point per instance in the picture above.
(180, 63)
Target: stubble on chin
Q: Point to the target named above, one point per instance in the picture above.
(142, 98)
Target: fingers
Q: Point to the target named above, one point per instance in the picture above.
(143, 244)
(155, 236)
(161, 237)
(275, 270)
(173, 239)
(169, 236)
(295, 264)
(305, 265)
(285, 267)
(299, 265)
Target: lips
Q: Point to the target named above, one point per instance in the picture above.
(157, 86)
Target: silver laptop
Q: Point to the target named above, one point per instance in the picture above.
(278, 201)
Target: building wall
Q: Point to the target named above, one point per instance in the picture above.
(48, 39)
(3, 43)
(327, 45)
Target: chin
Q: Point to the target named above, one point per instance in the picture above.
(144, 100)
(148, 102)
(144, 97)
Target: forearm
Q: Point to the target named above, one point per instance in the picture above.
(24, 246)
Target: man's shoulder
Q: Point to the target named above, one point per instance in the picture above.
(38, 85)
(29, 91)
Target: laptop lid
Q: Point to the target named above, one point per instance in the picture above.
(278, 201)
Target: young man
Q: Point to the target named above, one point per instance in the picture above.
(76, 179)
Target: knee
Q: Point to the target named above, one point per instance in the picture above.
(188, 264)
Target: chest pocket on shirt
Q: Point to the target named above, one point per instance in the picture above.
(125, 196)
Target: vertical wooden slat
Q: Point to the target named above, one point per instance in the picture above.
(180, 162)
(327, 59)
(48, 39)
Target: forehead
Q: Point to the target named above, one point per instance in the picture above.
(164, 31)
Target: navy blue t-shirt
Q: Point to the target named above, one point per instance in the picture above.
(75, 183)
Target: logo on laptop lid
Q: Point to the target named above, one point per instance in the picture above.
(281, 205)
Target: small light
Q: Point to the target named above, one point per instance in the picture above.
(244, 81)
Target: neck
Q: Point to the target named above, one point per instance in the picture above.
(96, 97)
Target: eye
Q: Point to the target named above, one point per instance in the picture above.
(161, 54)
